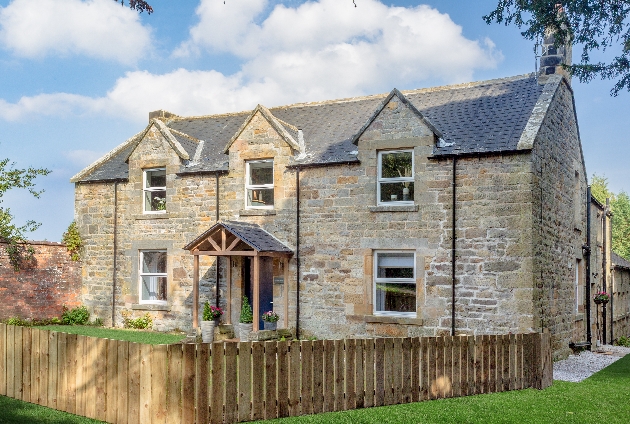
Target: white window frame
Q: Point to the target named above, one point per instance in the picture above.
(146, 189)
(259, 186)
(381, 180)
(151, 274)
(393, 280)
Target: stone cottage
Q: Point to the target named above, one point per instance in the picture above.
(456, 209)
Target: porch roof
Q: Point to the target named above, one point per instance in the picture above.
(227, 238)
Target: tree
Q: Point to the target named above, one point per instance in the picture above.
(10, 233)
(594, 24)
(139, 5)
(620, 207)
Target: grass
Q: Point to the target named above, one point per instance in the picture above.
(604, 397)
(16, 412)
(147, 337)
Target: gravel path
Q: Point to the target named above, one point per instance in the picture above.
(579, 367)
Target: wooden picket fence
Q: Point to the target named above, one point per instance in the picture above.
(123, 382)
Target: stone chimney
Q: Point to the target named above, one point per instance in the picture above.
(552, 57)
(162, 115)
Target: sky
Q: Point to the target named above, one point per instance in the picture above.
(79, 77)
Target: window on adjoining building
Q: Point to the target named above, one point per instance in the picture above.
(154, 190)
(395, 283)
(153, 276)
(395, 177)
(259, 191)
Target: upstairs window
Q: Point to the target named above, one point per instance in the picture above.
(395, 177)
(395, 283)
(259, 184)
(154, 190)
(153, 276)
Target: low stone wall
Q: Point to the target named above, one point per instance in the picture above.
(41, 289)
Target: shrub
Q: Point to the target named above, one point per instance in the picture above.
(623, 341)
(18, 321)
(72, 239)
(247, 315)
(141, 323)
(270, 316)
(210, 313)
(76, 316)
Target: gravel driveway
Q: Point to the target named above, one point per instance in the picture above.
(578, 367)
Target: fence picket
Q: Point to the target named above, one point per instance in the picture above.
(218, 383)
(145, 383)
(271, 411)
(43, 367)
(245, 378)
(258, 388)
(359, 366)
(424, 368)
(307, 377)
(3, 359)
(133, 385)
(81, 381)
(318, 376)
(350, 389)
(111, 380)
(370, 366)
(283, 380)
(231, 382)
(507, 348)
(122, 400)
(433, 366)
(447, 381)
(396, 369)
(456, 380)
(329, 372)
(62, 384)
(188, 383)
(71, 372)
(339, 375)
(388, 359)
(158, 384)
(53, 370)
(519, 362)
(294, 378)
(34, 383)
(379, 378)
(175, 354)
(415, 369)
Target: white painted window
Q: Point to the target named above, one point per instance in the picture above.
(259, 193)
(395, 177)
(153, 276)
(154, 190)
(395, 283)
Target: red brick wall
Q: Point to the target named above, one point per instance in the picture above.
(39, 292)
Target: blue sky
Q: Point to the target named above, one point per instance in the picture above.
(80, 77)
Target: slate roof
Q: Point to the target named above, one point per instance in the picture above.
(475, 118)
(618, 261)
(251, 234)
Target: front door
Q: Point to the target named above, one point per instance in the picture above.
(266, 284)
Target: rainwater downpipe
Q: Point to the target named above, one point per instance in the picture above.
(453, 247)
(612, 282)
(587, 253)
(216, 207)
(604, 273)
(297, 253)
(114, 274)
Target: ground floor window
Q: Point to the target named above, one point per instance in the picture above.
(153, 276)
(395, 283)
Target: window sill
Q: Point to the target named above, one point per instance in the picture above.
(150, 307)
(382, 319)
(394, 208)
(152, 216)
(257, 212)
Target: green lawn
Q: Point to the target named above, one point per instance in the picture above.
(602, 398)
(136, 336)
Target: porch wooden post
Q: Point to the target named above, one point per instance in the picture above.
(285, 294)
(195, 311)
(228, 277)
(256, 292)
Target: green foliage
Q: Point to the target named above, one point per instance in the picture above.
(76, 316)
(30, 323)
(247, 315)
(623, 341)
(620, 207)
(98, 322)
(140, 323)
(20, 253)
(72, 239)
(592, 24)
(210, 313)
(18, 321)
(146, 337)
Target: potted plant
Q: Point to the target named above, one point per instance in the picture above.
(270, 320)
(601, 297)
(210, 314)
(246, 320)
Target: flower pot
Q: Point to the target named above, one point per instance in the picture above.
(270, 325)
(244, 330)
(207, 331)
(600, 301)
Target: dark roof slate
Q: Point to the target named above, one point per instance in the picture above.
(251, 234)
(475, 118)
(619, 261)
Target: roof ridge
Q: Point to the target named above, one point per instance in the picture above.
(183, 134)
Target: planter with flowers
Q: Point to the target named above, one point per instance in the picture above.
(601, 298)
(246, 320)
(210, 315)
(270, 320)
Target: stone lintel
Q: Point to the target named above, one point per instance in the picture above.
(394, 208)
(256, 212)
(149, 307)
(386, 319)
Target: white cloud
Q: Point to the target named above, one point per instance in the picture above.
(95, 28)
(319, 50)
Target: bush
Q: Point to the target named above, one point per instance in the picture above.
(247, 315)
(77, 316)
(210, 313)
(623, 341)
(18, 321)
(72, 239)
(141, 323)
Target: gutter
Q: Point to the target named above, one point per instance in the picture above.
(604, 273)
(586, 249)
(115, 243)
(297, 252)
(453, 246)
(216, 207)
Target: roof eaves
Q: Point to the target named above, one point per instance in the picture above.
(384, 103)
